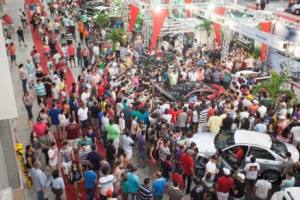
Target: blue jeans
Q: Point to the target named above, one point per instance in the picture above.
(40, 195)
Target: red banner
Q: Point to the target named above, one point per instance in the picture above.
(159, 17)
(134, 11)
(265, 27)
(218, 27)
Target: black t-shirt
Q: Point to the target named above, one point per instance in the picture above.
(110, 152)
(20, 33)
(95, 159)
(166, 169)
(198, 192)
(94, 110)
(240, 187)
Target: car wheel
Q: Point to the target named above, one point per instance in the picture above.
(271, 176)
(297, 12)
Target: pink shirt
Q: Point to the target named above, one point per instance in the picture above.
(39, 128)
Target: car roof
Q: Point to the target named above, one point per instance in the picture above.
(294, 191)
(252, 138)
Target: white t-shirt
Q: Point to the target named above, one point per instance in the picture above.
(106, 183)
(251, 170)
(195, 116)
(167, 117)
(296, 134)
(211, 168)
(83, 114)
(127, 143)
(262, 188)
(85, 96)
(53, 157)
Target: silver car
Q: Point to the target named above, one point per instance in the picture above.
(238, 147)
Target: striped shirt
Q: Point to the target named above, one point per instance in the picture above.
(40, 89)
(203, 116)
(69, 36)
(144, 192)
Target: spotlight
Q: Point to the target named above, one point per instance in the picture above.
(157, 8)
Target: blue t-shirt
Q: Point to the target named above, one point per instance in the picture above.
(159, 187)
(89, 179)
(53, 113)
(144, 117)
(133, 182)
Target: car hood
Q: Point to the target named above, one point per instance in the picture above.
(205, 142)
(293, 150)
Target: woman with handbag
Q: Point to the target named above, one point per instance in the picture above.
(57, 184)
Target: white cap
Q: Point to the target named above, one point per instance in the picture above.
(190, 151)
(226, 171)
(282, 117)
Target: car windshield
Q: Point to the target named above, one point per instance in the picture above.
(279, 148)
(224, 139)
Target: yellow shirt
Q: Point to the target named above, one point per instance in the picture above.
(214, 124)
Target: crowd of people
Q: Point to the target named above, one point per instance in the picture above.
(108, 127)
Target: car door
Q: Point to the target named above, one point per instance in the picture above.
(264, 157)
(232, 157)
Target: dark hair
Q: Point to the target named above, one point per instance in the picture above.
(55, 174)
(28, 147)
(146, 181)
(175, 183)
(93, 147)
(252, 159)
(105, 169)
(52, 144)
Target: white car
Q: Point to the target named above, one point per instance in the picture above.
(292, 193)
(296, 9)
(238, 147)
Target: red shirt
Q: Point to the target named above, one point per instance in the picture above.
(187, 163)
(179, 179)
(71, 50)
(173, 113)
(73, 131)
(40, 128)
(211, 112)
(225, 183)
(101, 90)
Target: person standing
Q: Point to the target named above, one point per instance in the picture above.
(174, 192)
(187, 164)
(158, 187)
(39, 180)
(257, 4)
(40, 92)
(127, 145)
(90, 178)
(133, 182)
(53, 156)
(20, 34)
(144, 191)
(12, 53)
(224, 184)
(57, 184)
(199, 191)
(28, 102)
(238, 190)
(106, 182)
(66, 154)
(252, 169)
(262, 188)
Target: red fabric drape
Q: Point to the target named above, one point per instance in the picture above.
(188, 12)
(265, 27)
(134, 11)
(158, 21)
(218, 27)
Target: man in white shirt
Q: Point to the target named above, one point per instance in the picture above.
(127, 145)
(83, 115)
(53, 156)
(167, 116)
(85, 96)
(211, 167)
(106, 181)
(252, 169)
(262, 188)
